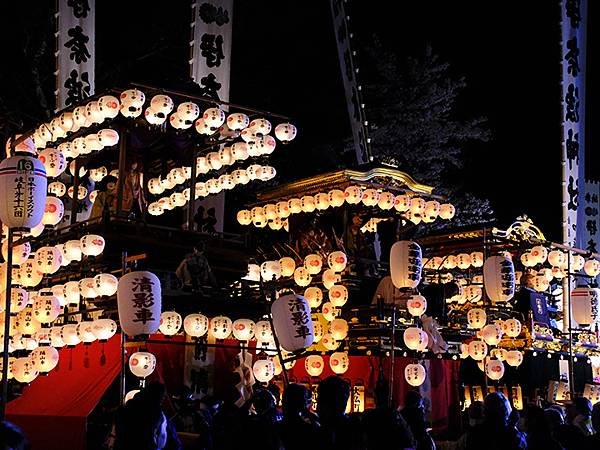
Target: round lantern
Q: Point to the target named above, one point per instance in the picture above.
(556, 258)
(139, 303)
(592, 267)
(338, 295)
(473, 293)
(20, 252)
(402, 203)
(336, 198)
(511, 327)
(253, 273)
(295, 205)
(73, 250)
(476, 317)
(499, 354)
(263, 370)
(221, 327)
(330, 278)
(85, 331)
(54, 161)
(56, 340)
(108, 106)
(313, 264)
(285, 132)
(499, 278)
(415, 374)
(46, 308)
(318, 329)
(54, 210)
(339, 362)
(329, 311)
(142, 364)
(585, 302)
(314, 296)
(540, 283)
(92, 244)
(577, 263)
(539, 254)
(48, 259)
(494, 369)
(244, 217)
(243, 329)
(314, 365)
(195, 325)
(292, 322)
(19, 299)
(386, 200)
(270, 270)
(263, 331)
(337, 261)
(108, 137)
(71, 293)
(416, 305)
(370, 197)
(87, 288)
(29, 274)
(514, 358)
(69, 336)
(104, 329)
(288, 266)
(57, 188)
(405, 264)
(308, 204)
(415, 338)
(23, 187)
(477, 259)
(24, 370)
(237, 121)
(302, 277)
(105, 284)
(213, 117)
(477, 350)
(339, 329)
(447, 211)
(491, 334)
(353, 195)
(170, 323)
(162, 104)
(44, 358)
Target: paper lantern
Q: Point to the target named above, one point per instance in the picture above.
(338, 295)
(511, 327)
(539, 254)
(330, 278)
(336, 198)
(494, 369)
(265, 145)
(73, 250)
(415, 374)
(57, 188)
(263, 331)
(386, 201)
(322, 201)
(104, 329)
(477, 350)
(339, 362)
(499, 354)
(237, 121)
(29, 274)
(313, 264)
(302, 277)
(370, 197)
(108, 106)
(463, 261)
(329, 311)
(71, 293)
(24, 370)
(195, 325)
(585, 302)
(292, 322)
(285, 132)
(26, 324)
(592, 267)
(318, 330)
(473, 293)
(92, 244)
(20, 252)
(213, 117)
(105, 284)
(541, 283)
(221, 327)
(133, 97)
(556, 258)
(476, 317)
(48, 259)
(405, 264)
(287, 265)
(44, 358)
(243, 329)
(263, 370)
(314, 365)
(447, 211)
(46, 308)
(514, 358)
(253, 273)
(577, 263)
(295, 205)
(339, 329)
(402, 203)
(54, 210)
(139, 303)
(56, 337)
(54, 162)
(415, 338)
(162, 104)
(499, 278)
(353, 195)
(314, 296)
(170, 323)
(85, 332)
(142, 364)
(477, 259)
(270, 270)
(337, 261)
(416, 305)
(19, 299)
(87, 288)
(491, 334)
(23, 187)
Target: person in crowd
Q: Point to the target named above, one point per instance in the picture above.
(414, 414)
(593, 442)
(495, 433)
(384, 427)
(204, 420)
(299, 428)
(538, 430)
(12, 437)
(338, 431)
(262, 420)
(571, 435)
(474, 418)
(582, 408)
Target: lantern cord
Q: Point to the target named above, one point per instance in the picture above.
(6, 337)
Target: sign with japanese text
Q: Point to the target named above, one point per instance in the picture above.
(75, 60)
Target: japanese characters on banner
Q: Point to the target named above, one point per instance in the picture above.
(573, 27)
(591, 216)
(75, 37)
(351, 87)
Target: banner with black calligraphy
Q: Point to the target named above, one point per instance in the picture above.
(75, 60)
(591, 217)
(573, 48)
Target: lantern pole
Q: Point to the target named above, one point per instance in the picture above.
(6, 337)
(122, 383)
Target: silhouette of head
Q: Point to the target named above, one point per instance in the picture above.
(497, 408)
(333, 397)
(296, 399)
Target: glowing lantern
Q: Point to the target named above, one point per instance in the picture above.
(162, 104)
(511, 327)
(24, 370)
(85, 332)
(370, 197)
(415, 338)
(336, 198)
(142, 364)
(337, 261)
(285, 132)
(477, 259)
(26, 323)
(253, 273)
(133, 97)
(415, 374)
(48, 259)
(54, 210)
(195, 325)
(353, 195)
(71, 293)
(494, 369)
(263, 370)
(57, 188)
(329, 311)
(92, 143)
(499, 278)
(476, 317)
(104, 329)
(302, 277)
(314, 365)
(243, 329)
(405, 264)
(54, 161)
(46, 308)
(44, 358)
(463, 261)
(491, 334)
(338, 295)
(23, 178)
(473, 293)
(288, 265)
(318, 330)
(540, 283)
(20, 252)
(577, 263)
(293, 335)
(105, 284)
(592, 267)
(585, 302)
(539, 254)
(263, 331)
(313, 264)
(514, 358)
(339, 362)
(329, 342)
(170, 323)
(402, 203)
(73, 250)
(314, 296)
(432, 208)
(339, 329)
(56, 337)
(92, 244)
(308, 204)
(386, 200)
(416, 305)
(244, 217)
(322, 201)
(270, 270)
(19, 298)
(447, 211)
(29, 274)
(131, 312)
(477, 350)
(330, 278)
(499, 354)
(108, 106)
(87, 288)
(417, 205)
(295, 205)
(221, 327)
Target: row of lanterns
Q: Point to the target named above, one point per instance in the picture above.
(461, 261)
(559, 261)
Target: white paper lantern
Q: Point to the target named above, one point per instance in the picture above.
(243, 329)
(285, 132)
(24, 370)
(314, 296)
(302, 277)
(292, 322)
(494, 369)
(19, 298)
(69, 335)
(499, 354)
(48, 259)
(73, 250)
(221, 327)
(104, 329)
(370, 197)
(139, 302)
(541, 283)
(85, 331)
(57, 188)
(105, 284)
(339, 329)
(54, 210)
(195, 325)
(329, 311)
(511, 327)
(592, 267)
(338, 295)
(499, 278)
(477, 350)
(56, 337)
(556, 258)
(270, 270)
(108, 106)
(415, 339)
(514, 358)
(353, 195)
(415, 374)
(142, 364)
(314, 365)
(339, 362)
(263, 331)
(29, 274)
(44, 358)
(288, 265)
(237, 121)
(20, 252)
(405, 264)
(491, 334)
(263, 370)
(416, 305)
(577, 263)
(447, 211)
(170, 323)
(162, 104)
(87, 288)
(133, 97)
(92, 244)
(585, 302)
(71, 293)
(46, 308)
(313, 264)
(54, 161)
(476, 317)
(322, 201)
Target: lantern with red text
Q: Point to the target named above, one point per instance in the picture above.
(494, 369)
(491, 334)
(514, 358)
(104, 329)
(416, 305)
(54, 161)
(337, 261)
(338, 295)
(48, 259)
(44, 358)
(339, 362)
(142, 364)
(415, 374)
(68, 335)
(339, 329)
(499, 278)
(105, 284)
(46, 308)
(170, 323)
(139, 303)
(405, 264)
(314, 296)
(477, 350)
(476, 318)
(243, 329)
(511, 327)
(292, 322)
(92, 244)
(585, 304)
(314, 365)
(53, 211)
(415, 339)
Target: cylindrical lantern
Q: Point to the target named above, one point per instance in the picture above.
(170, 323)
(24, 370)
(416, 305)
(499, 278)
(23, 187)
(477, 350)
(106, 284)
(314, 365)
(142, 364)
(494, 369)
(415, 338)
(263, 370)
(44, 358)
(339, 362)
(195, 325)
(339, 329)
(92, 244)
(514, 358)
(476, 317)
(405, 264)
(415, 374)
(243, 329)
(221, 327)
(585, 302)
(139, 303)
(104, 329)
(511, 327)
(292, 322)
(48, 259)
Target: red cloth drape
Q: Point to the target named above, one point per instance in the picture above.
(53, 409)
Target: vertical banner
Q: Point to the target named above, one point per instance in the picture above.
(356, 113)
(75, 58)
(591, 216)
(210, 68)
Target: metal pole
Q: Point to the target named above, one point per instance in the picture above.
(393, 360)
(192, 202)
(6, 337)
(122, 384)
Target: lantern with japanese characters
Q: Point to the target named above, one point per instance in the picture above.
(44, 358)
(415, 374)
(106, 284)
(302, 277)
(29, 274)
(71, 293)
(270, 270)
(24, 370)
(243, 329)
(339, 362)
(87, 288)
(48, 259)
(92, 244)
(313, 263)
(405, 264)
(73, 250)
(339, 329)
(139, 303)
(85, 331)
(195, 325)
(514, 358)
(477, 350)
(104, 329)
(20, 252)
(337, 261)
(370, 197)
(292, 322)
(592, 267)
(314, 365)
(221, 327)
(314, 296)
(329, 311)
(288, 265)
(499, 278)
(416, 305)
(54, 161)
(170, 323)
(46, 308)
(142, 364)
(54, 210)
(415, 339)
(447, 211)
(23, 187)
(491, 334)
(338, 295)
(585, 302)
(494, 369)
(56, 340)
(285, 132)
(476, 318)
(263, 370)
(19, 298)
(511, 327)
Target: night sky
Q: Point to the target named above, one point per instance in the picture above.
(284, 59)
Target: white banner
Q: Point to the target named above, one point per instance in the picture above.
(591, 216)
(75, 37)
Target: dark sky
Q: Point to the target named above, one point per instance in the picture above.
(285, 60)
